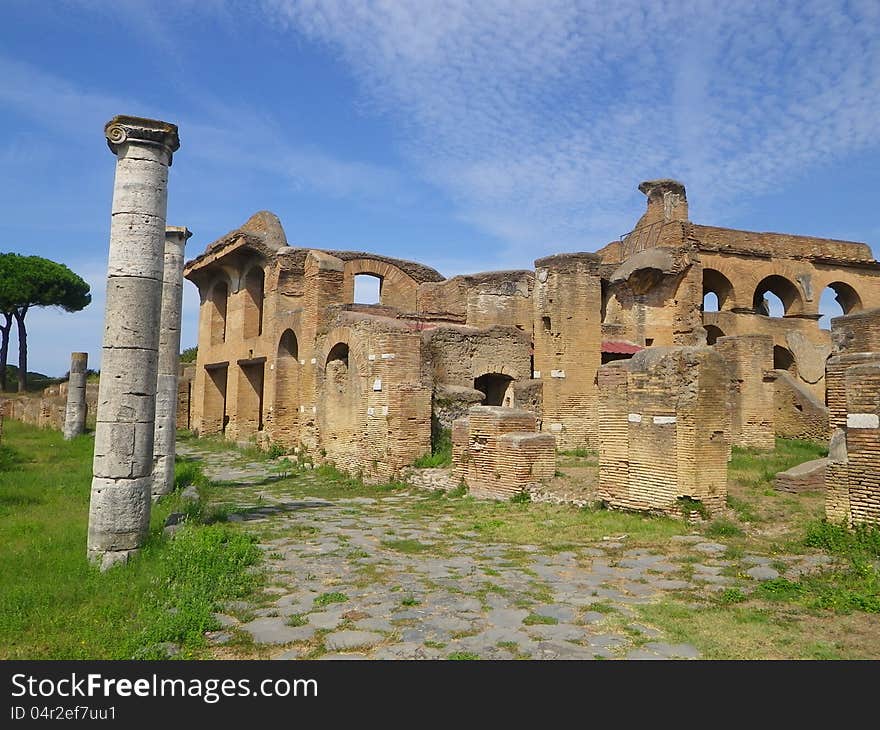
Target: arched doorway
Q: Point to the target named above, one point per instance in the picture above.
(339, 404)
(497, 389)
(287, 391)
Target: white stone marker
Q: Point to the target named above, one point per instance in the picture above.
(75, 415)
(119, 512)
(169, 361)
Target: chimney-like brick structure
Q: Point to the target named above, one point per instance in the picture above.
(567, 334)
(496, 451)
(665, 424)
(852, 482)
(667, 201)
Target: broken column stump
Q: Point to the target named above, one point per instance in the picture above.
(77, 410)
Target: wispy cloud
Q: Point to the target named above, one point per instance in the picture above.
(213, 132)
(539, 118)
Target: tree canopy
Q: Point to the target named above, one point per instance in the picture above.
(32, 281)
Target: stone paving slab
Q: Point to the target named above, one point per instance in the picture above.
(459, 594)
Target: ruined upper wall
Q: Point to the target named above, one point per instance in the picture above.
(264, 234)
(780, 245)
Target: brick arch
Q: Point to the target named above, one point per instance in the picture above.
(788, 291)
(334, 337)
(847, 283)
(287, 392)
(717, 282)
(398, 289)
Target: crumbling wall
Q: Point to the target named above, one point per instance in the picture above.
(749, 358)
(496, 451)
(665, 424)
(374, 414)
(48, 408)
(184, 395)
(797, 413)
(852, 492)
(458, 355)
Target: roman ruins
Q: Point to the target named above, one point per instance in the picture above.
(119, 511)
(75, 414)
(660, 351)
(169, 361)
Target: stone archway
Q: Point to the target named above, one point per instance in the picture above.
(285, 410)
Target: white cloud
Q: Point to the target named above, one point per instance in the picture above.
(539, 118)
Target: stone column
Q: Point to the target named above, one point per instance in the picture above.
(119, 512)
(169, 361)
(75, 415)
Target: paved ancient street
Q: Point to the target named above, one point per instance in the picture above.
(374, 578)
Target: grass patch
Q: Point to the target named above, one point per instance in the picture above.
(463, 656)
(441, 451)
(54, 605)
(758, 468)
(534, 619)
(325, 599)
(296, 619)
(410, 547)
(723, 528)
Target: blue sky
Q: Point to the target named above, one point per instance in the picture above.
(468, 136)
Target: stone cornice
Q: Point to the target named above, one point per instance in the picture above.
(137, 130)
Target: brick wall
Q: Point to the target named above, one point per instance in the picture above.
(496, 451)
(665, 420)
(852, 492)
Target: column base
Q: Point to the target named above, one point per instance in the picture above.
(106, 559)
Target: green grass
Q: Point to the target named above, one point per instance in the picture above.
(723, 528)
(325, 599)
(409, 547)
(462, 656)
(756, 467)
(54, 605)
(851, 585)
(535, 618)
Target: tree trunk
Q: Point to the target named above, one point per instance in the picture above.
(4, 347)
(22, 349)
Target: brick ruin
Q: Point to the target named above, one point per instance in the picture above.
(852, 479)
(287, 356)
